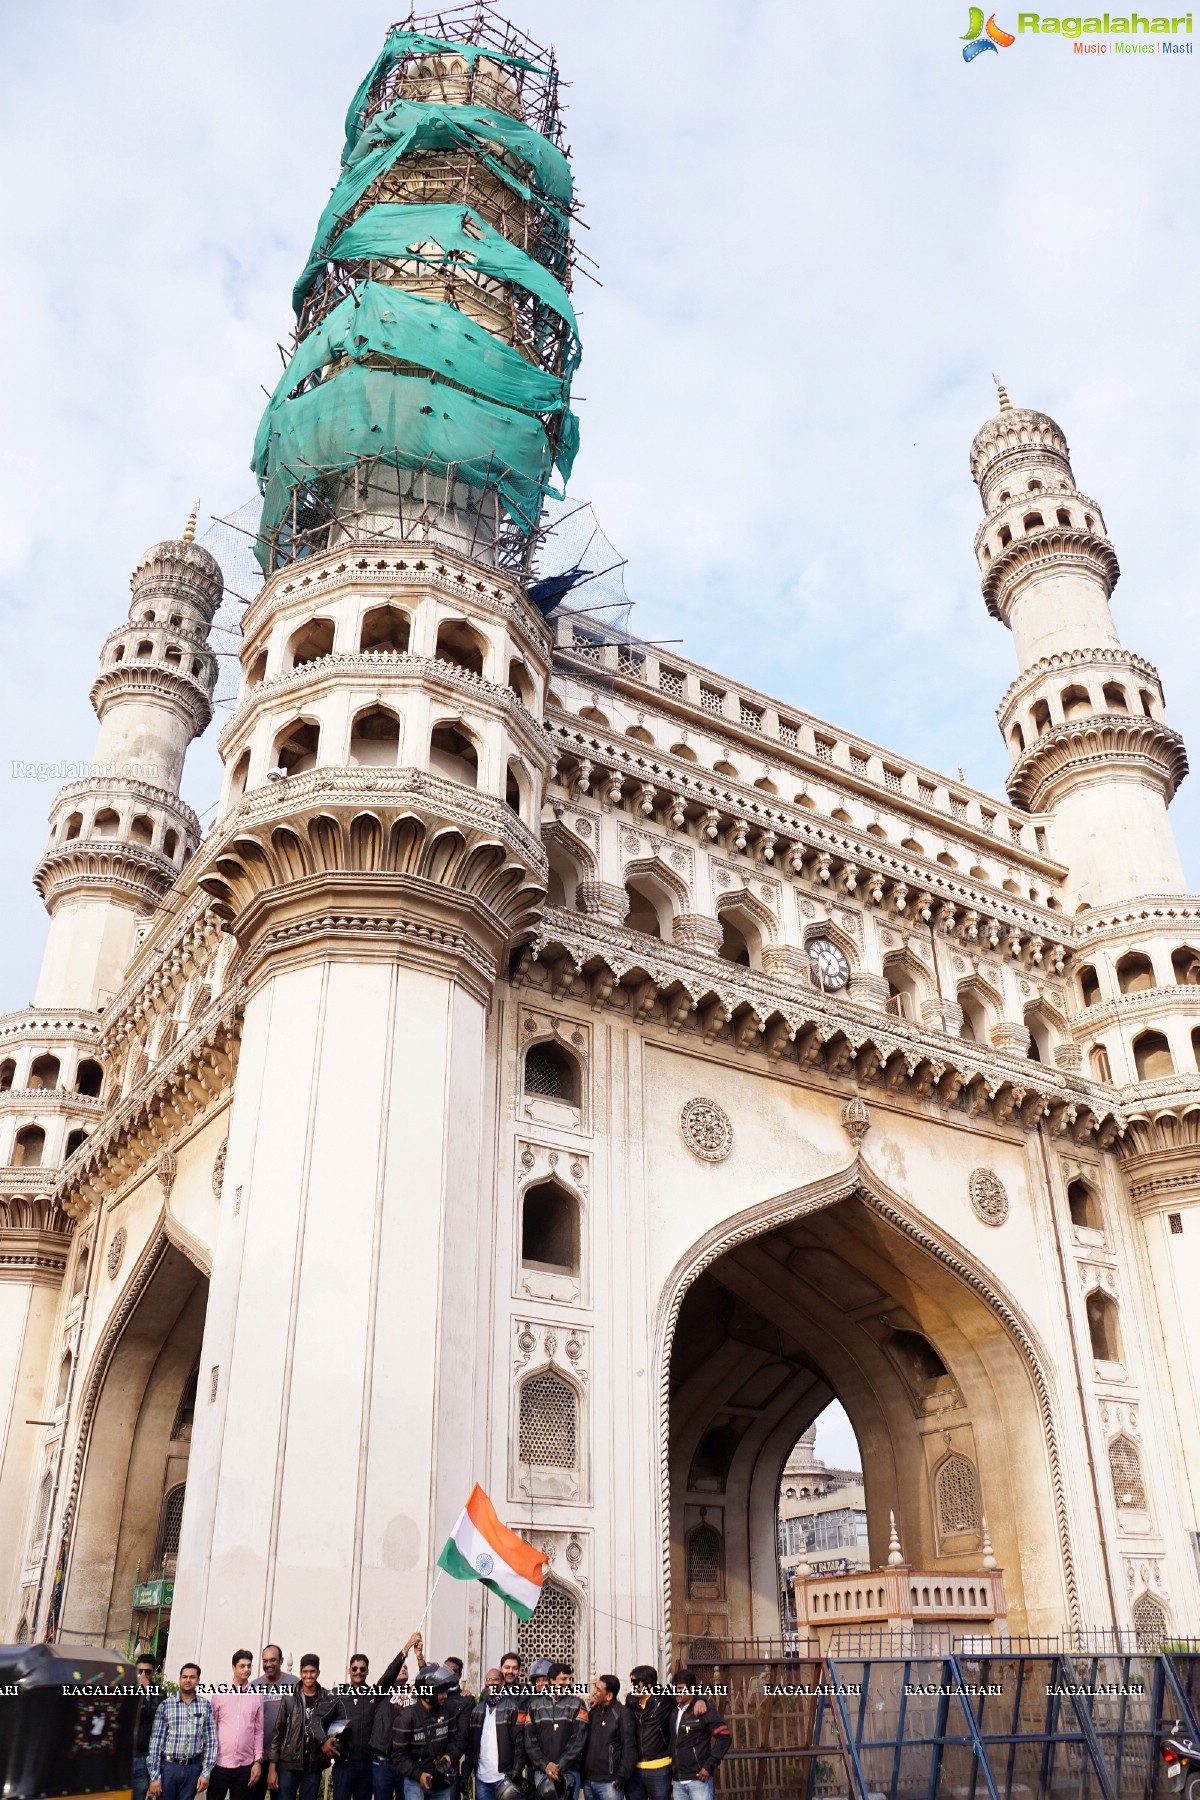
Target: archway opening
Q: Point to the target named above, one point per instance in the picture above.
(139, 1407)
(940, 1390)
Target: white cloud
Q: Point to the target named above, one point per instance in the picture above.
(818, 232)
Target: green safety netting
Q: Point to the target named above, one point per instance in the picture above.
(435, 235)
(420, 125)
(407, 43)
(377, 320)
(408, 378)
(412, 423)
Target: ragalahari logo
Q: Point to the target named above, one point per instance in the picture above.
(980, 37)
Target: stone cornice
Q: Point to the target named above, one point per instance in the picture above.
(105, 866)
(176, 942)
(1098, 743)
(1033, 676)
(684, 990)
(1126, 1009)
(195, 1074)
(371, 670)
(49, 1100)
(1151, 913)
(738, 804)
(1045, 552)
(387, 566)
(41, 1022)
(116, 787)
(38, 1257)
(40, 1215)
(1165, 1173)
(133, 680)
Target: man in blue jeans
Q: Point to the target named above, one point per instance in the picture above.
(651, 1708)
(183, 1741)
(495, 1740)
(297, 1760)
(610, 1749)
(699, 1740)
(428, 1737)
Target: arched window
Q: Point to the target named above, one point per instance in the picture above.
(733, 947)
(946, 860)
(1041, 717)
(1125, 1466)
(22, 1630)
(550, 1228)
(956, 1488)
(41, 1517)
(145, 648)
(1063, 516)
(1033, 521)
(76, 1140)
(170, 1520)
(1005, 537)
(512, 788)
(549, 1422)
(1114, 697)
(1085, 1208)
(44, 1072)
(297, 746)
(73, 827)
(1076, 703)
(639, 734)
(452, 754)
(170, 844)
(64, 1379)
(1152, 1056)
(684, 752)
(89, 1078)
(1101, 1067)
(704, 1563)
(1033, 487)
(1147, 703)
(375, 737)
(552, 1073)
(643, 912)
(594, 716)
(257, 670)
(1018, 738)
(385, 628)
(975, 1018)
(313, 640)
(240, 776)
(1089, 985)
(29, 1147)
(79, 1278)
(173, 655)
(1196, 1044)
(118, 654)
(1103, 1327)
(1150, 1624)
(551, 1632)
(1186, 965)
(1135, 973)
(141, 830)
(8, 1070)
(458, 644)
(520, 681)
(726, 768)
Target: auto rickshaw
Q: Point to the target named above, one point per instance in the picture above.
(67, 1723)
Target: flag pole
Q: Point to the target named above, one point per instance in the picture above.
(429, 1602)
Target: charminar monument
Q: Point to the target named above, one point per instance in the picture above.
(562, 1067)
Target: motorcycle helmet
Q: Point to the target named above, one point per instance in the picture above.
(507, 1789)
(545, 1788)
(540, 1670)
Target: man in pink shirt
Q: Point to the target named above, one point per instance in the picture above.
(238, 1709)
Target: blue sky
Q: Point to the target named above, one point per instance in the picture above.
(818, 231)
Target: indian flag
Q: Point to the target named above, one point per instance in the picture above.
(480, 1548)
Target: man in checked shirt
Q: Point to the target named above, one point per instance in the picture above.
(183, 1743)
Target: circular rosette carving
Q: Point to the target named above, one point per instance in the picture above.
(989, 1197)
(706, 1129)
(116, 1252)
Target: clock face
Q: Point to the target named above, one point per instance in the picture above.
(833, 971)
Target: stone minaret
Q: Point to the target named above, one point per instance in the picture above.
(119, 837)
(1084, 721)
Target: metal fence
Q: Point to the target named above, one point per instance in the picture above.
(977, 1720)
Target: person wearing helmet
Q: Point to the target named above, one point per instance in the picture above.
(495, 1745)
(699, 1741)
(555, 1733)
(428, 1738)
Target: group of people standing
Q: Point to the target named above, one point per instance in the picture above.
(534, 1737)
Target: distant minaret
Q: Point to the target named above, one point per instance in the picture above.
(1084, 721)
(119, 837)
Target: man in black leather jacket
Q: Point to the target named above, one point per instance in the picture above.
(354, 1703)
(555, 1730)
(428, 1739)
(495, 1739)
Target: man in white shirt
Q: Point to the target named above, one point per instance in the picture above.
(494, 1747)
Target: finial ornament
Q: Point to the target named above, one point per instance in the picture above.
(989, 1555)
(895, 1558)
(1006, 404)
(189, 530)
